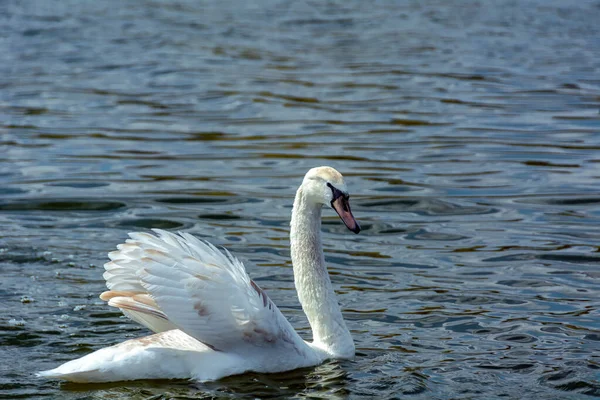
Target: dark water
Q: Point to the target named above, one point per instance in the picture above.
(468, 132)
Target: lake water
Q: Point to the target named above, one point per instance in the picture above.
(468, 132)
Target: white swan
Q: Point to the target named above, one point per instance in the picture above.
(211, 320)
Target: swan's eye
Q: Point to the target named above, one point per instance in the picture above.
(336, 192)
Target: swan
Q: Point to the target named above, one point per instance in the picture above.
(210, 319)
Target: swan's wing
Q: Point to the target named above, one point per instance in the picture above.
(126, 292)
(202, 291)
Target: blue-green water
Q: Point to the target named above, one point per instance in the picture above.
(468, 132)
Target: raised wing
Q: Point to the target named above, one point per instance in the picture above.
(185, 282)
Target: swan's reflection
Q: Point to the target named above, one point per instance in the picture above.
(328, 380)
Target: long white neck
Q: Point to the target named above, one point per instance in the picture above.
(312, 280)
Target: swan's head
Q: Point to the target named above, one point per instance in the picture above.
(325, 185)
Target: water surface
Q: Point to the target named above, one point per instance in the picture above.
(468, 134)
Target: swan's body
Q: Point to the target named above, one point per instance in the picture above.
(211, 320)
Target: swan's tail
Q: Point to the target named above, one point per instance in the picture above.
(166, 355)
(73, 376)
(103, 365)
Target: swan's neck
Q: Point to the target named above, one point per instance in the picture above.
(312, 280)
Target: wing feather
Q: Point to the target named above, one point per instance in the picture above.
(199, 289)
(141, 308)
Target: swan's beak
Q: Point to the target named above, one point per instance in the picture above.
(342, 207)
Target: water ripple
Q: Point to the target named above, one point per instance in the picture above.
(468, 137)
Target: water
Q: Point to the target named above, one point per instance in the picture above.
(468, 133)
